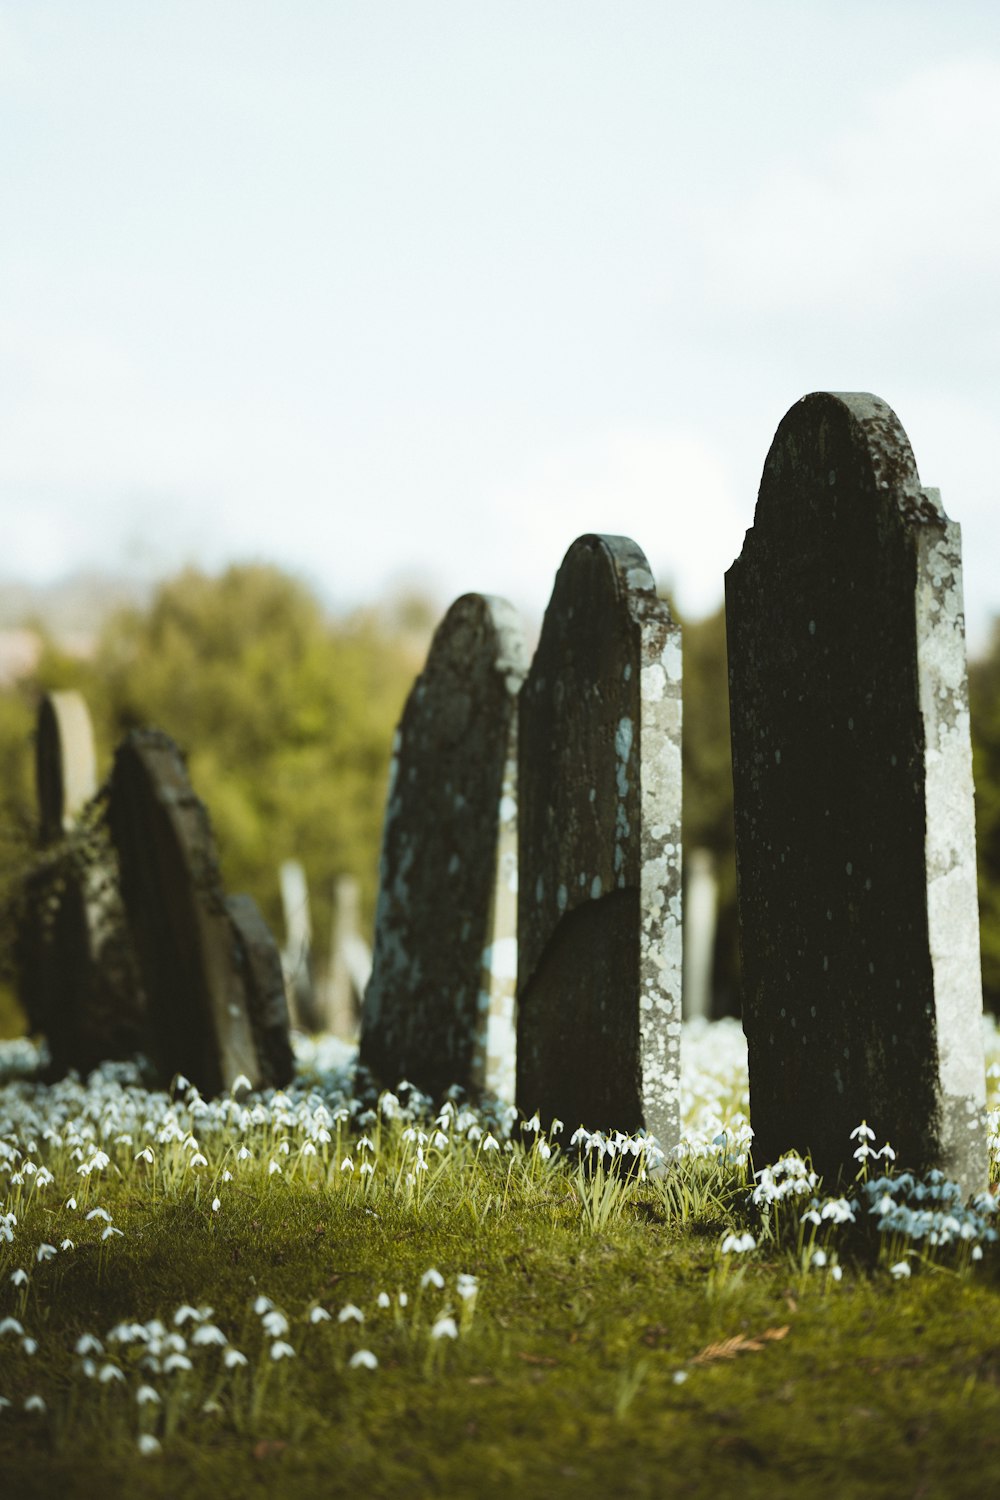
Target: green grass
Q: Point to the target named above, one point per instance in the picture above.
(609, 1346)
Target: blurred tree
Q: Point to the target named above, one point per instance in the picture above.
(984, 707)
(286, 719)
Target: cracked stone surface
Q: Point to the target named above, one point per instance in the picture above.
(439, 1007)
(599, 907)
(852, 770)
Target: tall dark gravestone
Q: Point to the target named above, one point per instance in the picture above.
(202, 971)
(439, 1005)
(852, 774)
(599, 902)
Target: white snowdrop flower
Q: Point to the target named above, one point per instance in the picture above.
(241, 1084)
(146, 1394)
(445, 1328)
(362, 1359)
(680, 1376)
(148, 1444)
(71, 1203)
(284, 1148)
(35, 1404)
(403, 1299)
(145, 1155)
(19, 1277)
(836, 1272)
(180, 1082)
(110, 1230)
(262, 1305)
(10, 1325)
(234, 1357)
(862, 1132)
(308, 1149)
(556, 1127)
(281, 1350)
(29, 1346)
(432, 1278)
(367, 1169)
(900, 1270)
(216, 1205)
(350, 1314)
(383, 1299)
(819, 1258)
(319, 1315)
(208, 1333)
(176, 1362)
(976, 1253)
(737, 1244)
(198, 1160)
(490, 1144)
(185, 1314)
(227, 1176)
(243, 1154)
(272, 1167)
(580, 1136)
(439, 1140)
(543, 1148)
(4, 1403)
(468, 1285)
(89, 1368)
(887, 1152)
(275, 1323)
(99, 1213)
(533, 1124)
(108, 1373)
(87, 1343)
(66, 1245)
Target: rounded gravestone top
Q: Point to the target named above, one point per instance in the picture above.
(65, 762)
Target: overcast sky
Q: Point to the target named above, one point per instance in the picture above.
(384, 289)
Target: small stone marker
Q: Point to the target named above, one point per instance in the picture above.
(852, 774)
(701, 904)
(192, 963)
(443, 962)
(350, 967)
(599, 904)
(296, 956)
(65, 762)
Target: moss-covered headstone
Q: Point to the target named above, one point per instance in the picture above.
(439, 1008)
(599, 905)
(854, 802)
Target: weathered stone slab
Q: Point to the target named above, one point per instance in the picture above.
(701, 902)
(444, 963)
(77, 976)
(264, 984)
(350, 967)
(854, 802)
(65, 762)
(188, 952)
(296, 956)
(599, 905)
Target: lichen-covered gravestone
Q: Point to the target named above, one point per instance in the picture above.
(439, 1008)
(599, 906)
(852, 774)
(77, 976)
(197, 971)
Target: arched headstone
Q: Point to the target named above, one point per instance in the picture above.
(442, 966)
(599, 904)
(264, 984)
(350, 967)
(852, 774)
(188, 952)
(296, 956)
(65, 762)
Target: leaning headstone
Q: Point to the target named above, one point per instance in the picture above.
(441, 966)
(65, 762)
(350, 967)
(854, 802)
(192, 962)
(296, 956)
(599, 903)
(264, 984)
(76, 972)
(701, 902)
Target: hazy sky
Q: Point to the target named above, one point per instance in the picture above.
(427, 289)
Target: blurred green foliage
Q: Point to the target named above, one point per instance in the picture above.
(984, 706)
(286, 719)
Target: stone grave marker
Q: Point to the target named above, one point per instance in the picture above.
(264, 984)
(852, 774)
(599, 903)
(196, 971)
(296, 956)
(350, 966)
(77, 976)
(65, 762)
(701, 904)
(444, 961)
